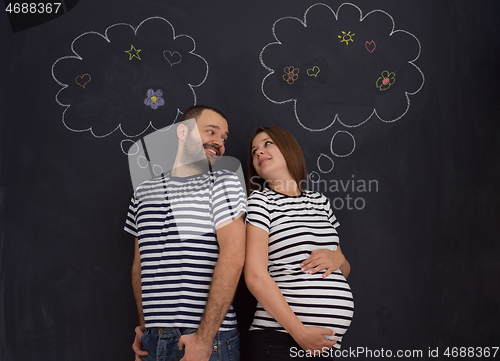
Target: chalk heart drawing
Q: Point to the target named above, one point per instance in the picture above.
(314, 107)
(370, 46)
(314, 71)
(83, 80)
(122, 109)
(172, 57)
(316, 110)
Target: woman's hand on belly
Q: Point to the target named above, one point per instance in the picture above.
(323, 259)
(312, 338)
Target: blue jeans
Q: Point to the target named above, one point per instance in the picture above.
(162, 344)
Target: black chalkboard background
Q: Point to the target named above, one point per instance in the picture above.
(423, 249)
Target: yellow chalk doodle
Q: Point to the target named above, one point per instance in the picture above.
(83, 79)
(133, 53)
(314, 71)
(346, 37)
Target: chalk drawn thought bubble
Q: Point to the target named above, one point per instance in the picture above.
(128, 79)
(347, 53)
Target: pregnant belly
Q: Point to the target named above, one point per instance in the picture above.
(316, 301)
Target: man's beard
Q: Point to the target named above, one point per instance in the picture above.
(195, 155)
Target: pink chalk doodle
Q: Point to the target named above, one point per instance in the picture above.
(370, 46)
(172, 57)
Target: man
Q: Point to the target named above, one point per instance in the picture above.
(190, 249)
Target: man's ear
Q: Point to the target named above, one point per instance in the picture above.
(182, 131)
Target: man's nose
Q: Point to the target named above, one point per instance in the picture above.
(218, 141)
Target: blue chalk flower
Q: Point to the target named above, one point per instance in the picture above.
(154, 99)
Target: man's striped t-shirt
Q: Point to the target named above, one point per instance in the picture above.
(175, 221)
(297, 226)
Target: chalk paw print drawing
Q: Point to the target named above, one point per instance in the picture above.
(125, 80)
(366, 71)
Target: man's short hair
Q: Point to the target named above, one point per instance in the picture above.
(195, 111)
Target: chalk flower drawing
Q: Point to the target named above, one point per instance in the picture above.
(318, 106)
(345, 96)
(154, 98)
(123, 73)
(385, 81)
(291, 74)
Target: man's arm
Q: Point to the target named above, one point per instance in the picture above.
(136, 282)
(136, 287)
(227, 271)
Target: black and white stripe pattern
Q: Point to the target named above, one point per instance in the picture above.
(175, 220)
(297, 226)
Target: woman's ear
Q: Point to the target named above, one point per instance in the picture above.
(182, 131)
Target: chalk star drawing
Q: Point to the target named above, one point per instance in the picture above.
(346, 37)
(133, 53)
(118, 103)
(317, 106)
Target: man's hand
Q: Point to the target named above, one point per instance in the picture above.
(321, 259)
(195, 349)
(312, 339)
(137, 345)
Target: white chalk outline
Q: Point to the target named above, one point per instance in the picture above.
(311, 174)
(157, 169)
(304, 23)
(130, 151)
(330, 159)
(140, 159)
(105, 36)
(353, 144)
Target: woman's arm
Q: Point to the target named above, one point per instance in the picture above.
(265, 290)
(321, 259)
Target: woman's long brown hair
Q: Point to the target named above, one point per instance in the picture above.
(291, 151)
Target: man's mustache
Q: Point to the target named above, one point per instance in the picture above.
(213, 146)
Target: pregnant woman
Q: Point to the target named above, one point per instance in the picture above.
(294, 265)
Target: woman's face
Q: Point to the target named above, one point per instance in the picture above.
(267, 159)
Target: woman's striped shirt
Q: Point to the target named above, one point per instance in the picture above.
(297, 226)
(175, 221)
